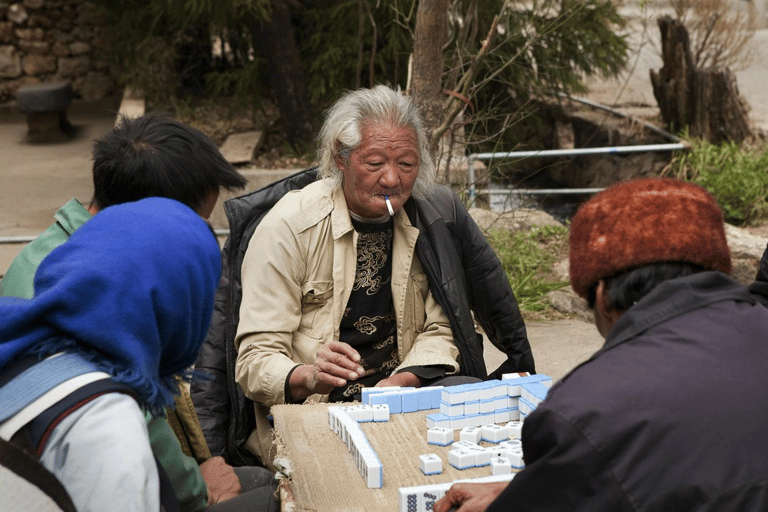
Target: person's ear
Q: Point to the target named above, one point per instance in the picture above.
(339, 162)
(605, 314)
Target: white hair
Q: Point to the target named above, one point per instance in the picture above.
(342, 131)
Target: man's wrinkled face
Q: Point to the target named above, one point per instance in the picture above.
(386, 163)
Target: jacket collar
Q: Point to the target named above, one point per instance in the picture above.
(674, 298)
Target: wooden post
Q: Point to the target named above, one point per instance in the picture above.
(707, 101)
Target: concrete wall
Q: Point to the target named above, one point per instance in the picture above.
(55, 40)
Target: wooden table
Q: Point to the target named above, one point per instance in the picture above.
(324, 475)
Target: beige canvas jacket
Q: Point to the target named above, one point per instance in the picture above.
(297, 277)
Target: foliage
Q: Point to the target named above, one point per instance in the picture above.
(338, 37)
(169, 48)
(736, 177)
(721, 34)
(168, 45)
(540, 47)
(527, 258)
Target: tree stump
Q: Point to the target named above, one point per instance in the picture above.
(707, 101)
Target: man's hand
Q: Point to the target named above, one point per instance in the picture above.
(469, 497)
(221, 480)
(335, 364)
(402, 379)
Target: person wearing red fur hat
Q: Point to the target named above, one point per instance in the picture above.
(671, 413)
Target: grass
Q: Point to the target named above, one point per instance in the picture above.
(736, 176)
(528, 258)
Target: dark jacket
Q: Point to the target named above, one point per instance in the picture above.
(670, 415)
(760, 287)
(464, 274)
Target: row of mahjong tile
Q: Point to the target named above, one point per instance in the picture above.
(490, 433)
(440, 420)
(464, 455)
(486, 396)
(432, 464)
(366, 460)
(422, 498)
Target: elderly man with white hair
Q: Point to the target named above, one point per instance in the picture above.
(367, 276)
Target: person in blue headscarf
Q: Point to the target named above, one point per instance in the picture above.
(131, 294)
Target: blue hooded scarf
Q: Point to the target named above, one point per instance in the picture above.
(131, 290)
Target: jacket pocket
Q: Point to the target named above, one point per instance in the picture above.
(316, 306)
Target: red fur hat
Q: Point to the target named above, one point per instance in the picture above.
(650, 220)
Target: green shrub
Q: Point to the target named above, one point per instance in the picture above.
(737, 177)
(527, 258)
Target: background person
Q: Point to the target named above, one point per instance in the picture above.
(113, 297)
(635, 427)
(153, 156)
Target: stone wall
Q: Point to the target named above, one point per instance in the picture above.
(55, 40)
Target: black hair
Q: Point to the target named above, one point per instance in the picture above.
(625, 289)
(156, 156)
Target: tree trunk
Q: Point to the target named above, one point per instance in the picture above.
(427, 80)
(707, 101)
(285, 75)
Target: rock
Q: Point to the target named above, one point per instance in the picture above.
(456, 172)
(239, 148)
(17, 14)
(516, 220)
(10, 62)
(6, 32)
(73, 66)
(567, 302)
(39, 64)
(38, 47)
(38, 20)
(746, 251)
(60, 49)
(30, 34)
(34, 4)
(79, 48)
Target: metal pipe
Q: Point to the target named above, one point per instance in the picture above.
(25, 239)
(539, 191)
(552, 153)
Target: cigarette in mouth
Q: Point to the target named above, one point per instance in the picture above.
(389, 206)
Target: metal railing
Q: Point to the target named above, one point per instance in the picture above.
(554, 153)
(25, 239)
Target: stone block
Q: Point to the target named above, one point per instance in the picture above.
(60, 49)
(35, 47)
(74, 66)
(30, 34)
(10, 62)
(6, 32)
(44, 97)
(17, 14)
(46, 108)
(79, 48)
(239, 148)
(38, 20)
(39, 64)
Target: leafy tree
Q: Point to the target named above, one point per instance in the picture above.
(501, 53)
(491, 54)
